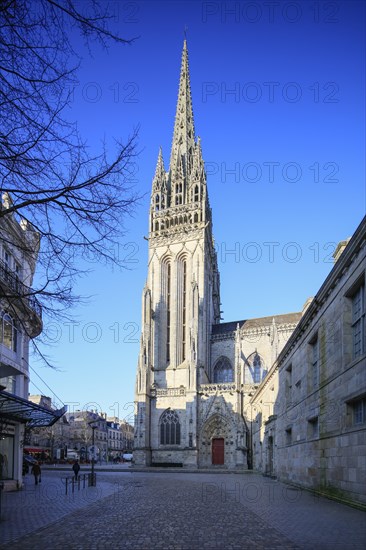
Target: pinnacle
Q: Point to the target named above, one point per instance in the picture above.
(160, 163)
(159, 177)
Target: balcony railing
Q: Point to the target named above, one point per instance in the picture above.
(19, 289)
(215, 387)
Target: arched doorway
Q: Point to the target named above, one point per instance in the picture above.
(214, 435)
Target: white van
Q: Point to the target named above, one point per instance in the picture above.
(73, 455)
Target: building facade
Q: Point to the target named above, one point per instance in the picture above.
(88, 434)
(195, 375)
(112, 437)
(20, 321)
(120, 438)
(309, 414)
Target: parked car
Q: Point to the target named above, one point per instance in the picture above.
(127, 457)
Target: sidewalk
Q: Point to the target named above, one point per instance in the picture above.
(37, 506)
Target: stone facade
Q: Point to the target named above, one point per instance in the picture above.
(309, 414)
(20, 320)
(194, 375)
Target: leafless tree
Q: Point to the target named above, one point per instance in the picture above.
(74, 201)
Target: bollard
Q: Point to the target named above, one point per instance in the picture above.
(92, 479)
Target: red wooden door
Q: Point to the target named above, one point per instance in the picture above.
(218, 451)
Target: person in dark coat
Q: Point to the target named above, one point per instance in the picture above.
(76, 468)
(36, 471)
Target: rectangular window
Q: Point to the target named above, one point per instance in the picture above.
(7, 457)
(288, 383)
(17, 270)
(358, 322)
(7, 259)
(9, 383)
(359, 411)
(314, 351)
(288, 436)
(313, 427)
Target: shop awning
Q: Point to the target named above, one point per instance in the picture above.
(18, 409)
(36, 449)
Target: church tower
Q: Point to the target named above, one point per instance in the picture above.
(180, 301)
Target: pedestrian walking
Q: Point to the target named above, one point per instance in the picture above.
(36, 471)
(76, 468)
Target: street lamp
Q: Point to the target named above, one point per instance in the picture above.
(93, 480)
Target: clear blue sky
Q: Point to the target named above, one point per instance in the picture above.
(278, 96)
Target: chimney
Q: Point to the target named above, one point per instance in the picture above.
(339, 249)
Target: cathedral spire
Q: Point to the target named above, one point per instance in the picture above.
(183, 136)
(159, 177)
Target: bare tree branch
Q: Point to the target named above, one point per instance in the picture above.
(72, 203)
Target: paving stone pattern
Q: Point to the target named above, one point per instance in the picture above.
(182, 511)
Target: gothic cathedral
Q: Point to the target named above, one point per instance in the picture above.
(195, 375)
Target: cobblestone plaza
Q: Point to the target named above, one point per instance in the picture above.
(129, 509)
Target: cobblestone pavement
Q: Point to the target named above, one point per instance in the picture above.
(182, 511)
(35, 507)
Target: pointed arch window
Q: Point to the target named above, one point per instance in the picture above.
(182, 302)
(257, 369)
(165, 326)
(223, 371)
(184, 309)
(157, 202)
(169, 428)
(168, 311)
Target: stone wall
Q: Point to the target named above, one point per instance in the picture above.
(315, 426)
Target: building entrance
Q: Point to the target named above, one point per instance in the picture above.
(218, 450)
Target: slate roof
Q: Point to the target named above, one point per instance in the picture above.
(225, 328)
